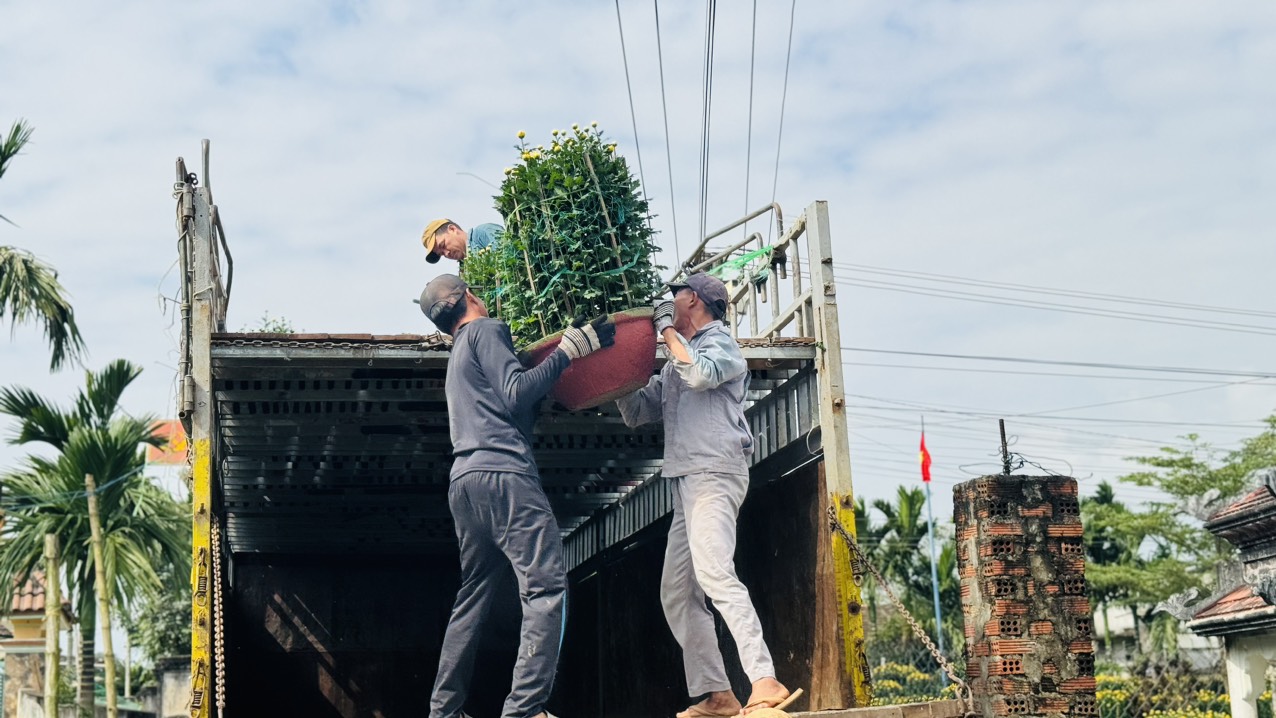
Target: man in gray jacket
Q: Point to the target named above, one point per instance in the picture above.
(700, 395)
(500, 510)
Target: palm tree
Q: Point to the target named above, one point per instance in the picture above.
(29, 289)
(142, 525)
(904, 530)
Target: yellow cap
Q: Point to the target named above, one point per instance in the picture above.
(431, 229)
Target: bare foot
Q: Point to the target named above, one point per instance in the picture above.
(719, 703)
(767, 692)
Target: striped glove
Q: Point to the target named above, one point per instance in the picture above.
(581, 339)
(662, 319)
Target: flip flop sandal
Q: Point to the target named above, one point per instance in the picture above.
(777, 703)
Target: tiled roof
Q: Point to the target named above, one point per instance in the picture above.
(29, 597)
(1256, 499)
(1240, 599)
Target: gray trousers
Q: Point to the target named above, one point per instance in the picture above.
(700, 562)
(504, 518)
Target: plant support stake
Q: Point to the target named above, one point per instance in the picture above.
(103, 596)
(52, 612)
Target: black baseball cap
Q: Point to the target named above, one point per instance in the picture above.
(440, 298)
(709, 288)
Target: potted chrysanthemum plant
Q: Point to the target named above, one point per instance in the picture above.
(577, 243)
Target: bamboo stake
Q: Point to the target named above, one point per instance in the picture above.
(103, 597)
(52, 614)
(531, 282)
(620, 262)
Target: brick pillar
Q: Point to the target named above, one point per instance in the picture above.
(1029, 629)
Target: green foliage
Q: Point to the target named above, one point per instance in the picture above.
(29, 289)
(18, 137)
(1140, 557)
(898, 683)
(1152, 690)
(30, 292)
(143, 527)
(576, 241)
(162, 625)
(899, 547)
(270, 325)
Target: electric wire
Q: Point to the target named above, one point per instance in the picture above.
(633, 114)
(1061, 362)
(706, 114)
(1078, 294)
(664, 109)
(748, 144)
(1059, 307)
(784, 97)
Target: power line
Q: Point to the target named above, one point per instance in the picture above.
(664, 109)
(1119, 298)
(1058, 307)
(711, 11)
(1059, 362)
(633, 115)
(1119, 377)
(784, 96)
(748, 144)
(1094, 419)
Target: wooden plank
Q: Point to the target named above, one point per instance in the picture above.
(932, 709)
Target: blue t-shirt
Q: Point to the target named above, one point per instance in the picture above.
(482, 236)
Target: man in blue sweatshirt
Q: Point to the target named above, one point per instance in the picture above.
(500, 510)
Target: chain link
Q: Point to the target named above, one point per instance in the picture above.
(434, 341)
(219, 642)
(859, 556)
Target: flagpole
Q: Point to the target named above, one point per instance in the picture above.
(934, 562)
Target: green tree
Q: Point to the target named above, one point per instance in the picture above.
(1162, 549)
(903, 531)
(29, 288)
(143, 526)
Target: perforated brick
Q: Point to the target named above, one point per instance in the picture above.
(1021, 559)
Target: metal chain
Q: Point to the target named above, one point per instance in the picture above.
(219, 643)
(858, 554)
(428, 342)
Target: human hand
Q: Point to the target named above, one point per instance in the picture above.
(582, 339)
(662, 318)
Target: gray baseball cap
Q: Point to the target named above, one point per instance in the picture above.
(709, 288)
(440, 298)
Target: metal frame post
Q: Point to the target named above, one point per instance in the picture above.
(203, 298)
(836, 447)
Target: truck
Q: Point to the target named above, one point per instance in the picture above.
(324, 562)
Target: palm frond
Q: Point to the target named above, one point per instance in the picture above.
(38, 418)
(100, 399)
(19, 135)
(30, 292)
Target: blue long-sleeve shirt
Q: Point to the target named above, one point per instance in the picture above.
(702, 405)
(492, 399)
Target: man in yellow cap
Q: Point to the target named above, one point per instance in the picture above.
(445, 238)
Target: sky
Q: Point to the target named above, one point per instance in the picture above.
(1121, 148)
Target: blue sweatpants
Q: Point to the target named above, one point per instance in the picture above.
(504, 518)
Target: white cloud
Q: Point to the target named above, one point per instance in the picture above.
(1105, 146)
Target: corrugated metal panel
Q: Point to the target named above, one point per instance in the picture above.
(339, 443)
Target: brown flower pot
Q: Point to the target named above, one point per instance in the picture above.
(608, 373)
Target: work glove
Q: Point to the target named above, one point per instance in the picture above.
(582, 339)
(662, 319)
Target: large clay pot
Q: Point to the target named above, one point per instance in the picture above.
(608, 373)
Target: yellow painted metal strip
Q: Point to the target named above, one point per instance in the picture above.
(201, 580)
(850, 607)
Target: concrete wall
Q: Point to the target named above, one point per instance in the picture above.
(174, 678)
(24, 672)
